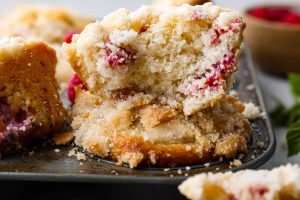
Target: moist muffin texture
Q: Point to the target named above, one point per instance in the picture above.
(182, 56)
(281, 183)
(30, 107)
(139, 131)
(157, 82)
(50, 24)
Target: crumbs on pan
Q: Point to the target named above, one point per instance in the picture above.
(236, 163)
(56, 150)
(233, 93)
(179, 171)
(79, 155)
(250, 87)
(251, 111)
(206, 164)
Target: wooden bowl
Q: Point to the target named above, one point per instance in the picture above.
(275, 46)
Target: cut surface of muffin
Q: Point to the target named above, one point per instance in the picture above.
(30, 107)
(50, 24)
(280, 183)
(138, 131)
(183, 56)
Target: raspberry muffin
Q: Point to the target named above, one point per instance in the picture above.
(157, 82)
(50, 24)
(178, 2)
(281, 183)
(133, 128)
(30, 107)
(184, 57)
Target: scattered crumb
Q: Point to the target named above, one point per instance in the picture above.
(217, 169)
(236, 163)
(72, 152)
(56, 150)
(187, 168)
(250, 87)
(263, 115)
(171, 176)
(116, 174)
(260, 144)
(80, 163)
(63, 138)
(29, 64)
(251, 111)
(233, 93)
(80, 156)
(186, 174)
(113, 171)
(179, 171)
(206, 164)
(167, 169)
(81, 171)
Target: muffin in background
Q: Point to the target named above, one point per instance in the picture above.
(178, 2)
(50, 24)
(30, 107)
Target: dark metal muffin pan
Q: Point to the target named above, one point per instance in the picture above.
(47, 165)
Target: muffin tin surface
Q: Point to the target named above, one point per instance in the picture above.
(47, 164)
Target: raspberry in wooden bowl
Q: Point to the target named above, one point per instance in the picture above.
(273, 34)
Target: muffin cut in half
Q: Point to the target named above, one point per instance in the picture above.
(30, 107)
(183, 56)
(281, 183)
(157, 82)
(140, 132)
(50, 24)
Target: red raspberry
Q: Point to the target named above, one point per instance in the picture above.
(260, 12)
(218, 31)
(277, 13)
(69, 36)
(257, 192)
(232, 197)
(291, 18)
(123, 94)
(213, 81)
(75, 81)
(118, 56)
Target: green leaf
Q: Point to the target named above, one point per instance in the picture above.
(293, 139)
(295, 85)
(283, 116)
(280, 115)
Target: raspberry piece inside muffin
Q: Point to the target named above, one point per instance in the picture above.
(74, 82)
(160, 52)
(115, 56)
